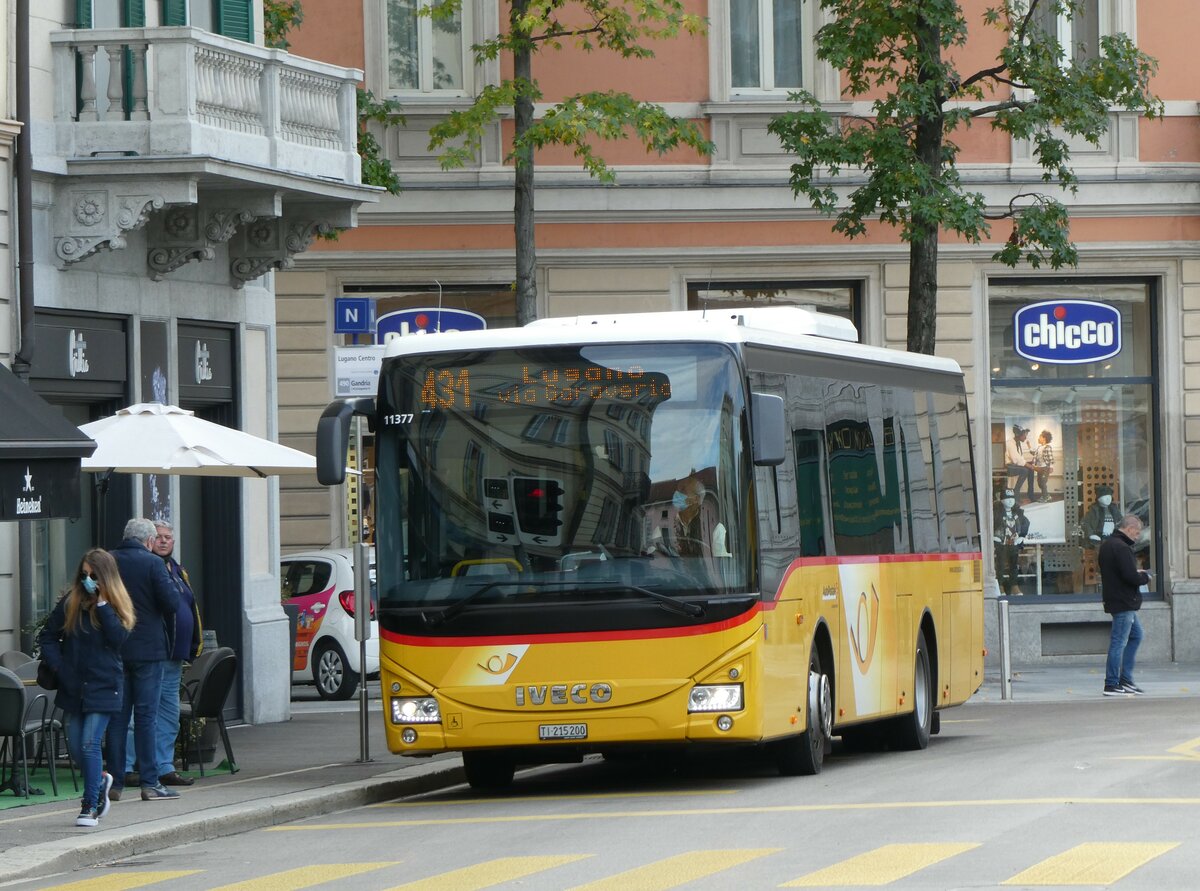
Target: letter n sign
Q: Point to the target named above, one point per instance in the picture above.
(352, 315)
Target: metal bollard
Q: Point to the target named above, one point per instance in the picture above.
(1005, 651)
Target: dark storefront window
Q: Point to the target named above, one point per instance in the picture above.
(1073, 427)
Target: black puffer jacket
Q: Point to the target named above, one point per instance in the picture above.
(87, 659)
(1119, 574)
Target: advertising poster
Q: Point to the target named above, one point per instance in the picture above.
(1033, 458)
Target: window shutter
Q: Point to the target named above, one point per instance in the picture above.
(234, 19)
(133, 13)
(83, 13)
(174, 12)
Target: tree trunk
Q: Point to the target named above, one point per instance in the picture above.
(523, 199)
(923, 247)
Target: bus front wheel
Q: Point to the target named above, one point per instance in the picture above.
(912, 731)
(488, 771)
(804, 755)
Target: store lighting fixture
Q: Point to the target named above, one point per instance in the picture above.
(1034, 367)
(1070, 395)
(1110, 394)
(1037, 397)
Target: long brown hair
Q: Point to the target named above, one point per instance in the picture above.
(111, 588)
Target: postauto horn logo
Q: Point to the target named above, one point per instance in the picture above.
(1067, 332)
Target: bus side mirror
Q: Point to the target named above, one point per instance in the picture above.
(333, 438)
(767, 429)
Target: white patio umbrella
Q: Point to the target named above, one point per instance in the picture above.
(153, 438)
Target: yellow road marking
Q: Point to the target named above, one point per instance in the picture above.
(881, 866)
(493, 872)
(675, 871)
(514, 799)
(777, 809)
(304, 876)
(121, 881)
(1094, 863)
(1189, 749)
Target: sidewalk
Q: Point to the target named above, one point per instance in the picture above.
(309, 766)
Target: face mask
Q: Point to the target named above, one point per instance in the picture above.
(1105, 500)
(679, 500)
(89, 584)
(1009, 502)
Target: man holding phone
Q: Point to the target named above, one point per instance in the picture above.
(1120, 583)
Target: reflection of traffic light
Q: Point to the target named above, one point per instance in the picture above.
(539, 506)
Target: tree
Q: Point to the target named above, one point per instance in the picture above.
(576, 122)
(903, 157)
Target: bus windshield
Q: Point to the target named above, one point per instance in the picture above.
(553, 488)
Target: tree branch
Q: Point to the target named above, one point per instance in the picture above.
(1017, 104)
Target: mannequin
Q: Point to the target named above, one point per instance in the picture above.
(1009, 528)
(1101, 518)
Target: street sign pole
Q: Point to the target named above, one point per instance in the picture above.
(362, 631)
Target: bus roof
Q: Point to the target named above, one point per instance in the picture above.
(784, 327)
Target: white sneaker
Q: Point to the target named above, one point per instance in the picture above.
(87, 817)
(106, 781)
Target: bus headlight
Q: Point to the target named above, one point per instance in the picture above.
(716, 698)
(416, 711)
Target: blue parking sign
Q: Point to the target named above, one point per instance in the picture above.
(352, 315)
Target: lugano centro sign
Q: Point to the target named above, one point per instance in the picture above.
(1067, 332)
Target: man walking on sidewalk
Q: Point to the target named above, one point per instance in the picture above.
(1120, 581)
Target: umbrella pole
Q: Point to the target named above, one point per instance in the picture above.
(101, 521)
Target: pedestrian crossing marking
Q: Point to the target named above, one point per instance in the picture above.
(304, 876)
(675, 871)
(889, 863)
(489, 873)
(122, 881)
(1093, 863)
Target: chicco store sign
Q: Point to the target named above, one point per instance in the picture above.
(1067, 332)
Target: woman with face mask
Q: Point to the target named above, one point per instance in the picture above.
(81, 641)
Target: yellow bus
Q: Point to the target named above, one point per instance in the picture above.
(625, 533)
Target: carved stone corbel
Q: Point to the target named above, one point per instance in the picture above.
(95, 219)
(271, 243)
(190, 232)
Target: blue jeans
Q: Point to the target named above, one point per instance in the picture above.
(85, 735)
(143, 685)
(1122, 648)
(168, 722)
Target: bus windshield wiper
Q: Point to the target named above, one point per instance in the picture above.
(446, 613)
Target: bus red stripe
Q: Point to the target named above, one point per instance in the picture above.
(572, 637)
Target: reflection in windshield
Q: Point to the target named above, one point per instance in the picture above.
(563, 475)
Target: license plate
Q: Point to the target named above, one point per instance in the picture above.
(562, 731)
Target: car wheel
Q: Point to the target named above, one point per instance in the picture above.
(332, 675)
(488, 771)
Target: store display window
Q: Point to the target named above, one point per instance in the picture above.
(839, 298)
(1073, 429)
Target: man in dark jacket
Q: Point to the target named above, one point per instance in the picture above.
(1120, 580)
(187, 648)
(155, 600)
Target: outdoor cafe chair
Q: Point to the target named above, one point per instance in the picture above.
(54, 729)
(203, 695)
(20, 719)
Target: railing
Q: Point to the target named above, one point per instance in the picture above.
(152, 80)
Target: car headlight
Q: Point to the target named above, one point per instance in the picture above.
(716, 698)
(416, 711)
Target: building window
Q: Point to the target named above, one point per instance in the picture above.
(834, 298)
(424, 54)
(767, 45)
(1073, 437)
(1078, 34)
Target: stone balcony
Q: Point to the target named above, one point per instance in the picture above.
(204, 141)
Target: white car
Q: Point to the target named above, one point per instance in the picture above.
(318, 587)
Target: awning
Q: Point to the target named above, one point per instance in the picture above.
(40, 452)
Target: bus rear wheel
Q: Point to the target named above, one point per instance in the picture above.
(804, 755)
(911, 731)
(488, 771)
